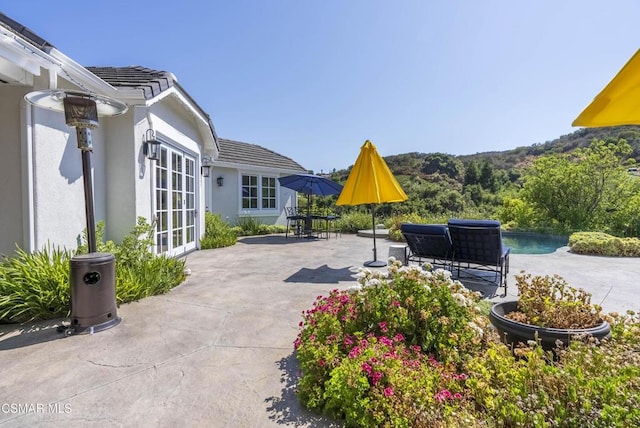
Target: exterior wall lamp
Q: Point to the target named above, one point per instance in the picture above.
(205, 169)
(151, 146)
(220, 181)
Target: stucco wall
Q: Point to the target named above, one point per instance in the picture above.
(226, 200)
(121, 175)
(58, 191)
(11, 170)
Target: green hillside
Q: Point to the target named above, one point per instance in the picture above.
(491, 184)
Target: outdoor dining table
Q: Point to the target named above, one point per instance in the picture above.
(316, 225)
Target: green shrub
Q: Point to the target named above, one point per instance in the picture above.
(354, 221)
(249, 226)
(217, 232)
(387, 351)
(550, 302)
(517, 214)
(413, 350)
(149, 277)
(139, 272)
(397, 220)
(35, 285)
(598, 243)
(586, 385)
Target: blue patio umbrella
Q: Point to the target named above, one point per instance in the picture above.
(310, 184)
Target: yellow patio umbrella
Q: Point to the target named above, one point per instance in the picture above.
(619, 101)
(371, 182)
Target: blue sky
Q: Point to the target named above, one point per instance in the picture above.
(313, 80)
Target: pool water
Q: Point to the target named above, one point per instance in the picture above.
(533, 243)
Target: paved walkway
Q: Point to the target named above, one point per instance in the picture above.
(217, 350)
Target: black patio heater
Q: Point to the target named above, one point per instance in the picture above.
(92, 275)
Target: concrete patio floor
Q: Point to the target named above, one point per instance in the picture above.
(217, 351)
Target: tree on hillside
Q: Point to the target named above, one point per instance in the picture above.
(443, 164)
(472, 174)
(580, 190)
(487, 177)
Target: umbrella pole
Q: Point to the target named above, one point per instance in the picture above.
(375, 262)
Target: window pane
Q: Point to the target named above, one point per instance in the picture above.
(249, 191)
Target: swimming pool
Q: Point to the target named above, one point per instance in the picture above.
(533, 243)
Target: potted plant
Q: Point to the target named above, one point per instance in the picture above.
(548, 310)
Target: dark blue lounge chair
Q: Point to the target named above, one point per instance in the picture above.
(478, 248)
(428, 242)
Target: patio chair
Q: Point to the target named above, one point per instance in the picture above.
(477, 244)
(295, 220)
(428, 242)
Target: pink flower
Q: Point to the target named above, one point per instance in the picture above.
(355, 352)
(383, 326)
(443, 395)
(348, 341)
(386, 341)
(457, 396)
(398, 337)
(388, 391)
(395, 304)
(375, 377)
(321, 363)
(366, 368)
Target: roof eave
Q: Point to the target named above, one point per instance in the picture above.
(259, 168)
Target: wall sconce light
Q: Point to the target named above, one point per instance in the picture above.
(151, 147)
(220, 181)
(205, 169)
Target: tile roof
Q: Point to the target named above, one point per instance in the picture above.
(26, 33)
(254, 155)
(150, 82)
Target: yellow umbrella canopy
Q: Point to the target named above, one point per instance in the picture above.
(619, 101)
(370, 181)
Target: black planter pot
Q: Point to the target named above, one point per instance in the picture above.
(513, 332)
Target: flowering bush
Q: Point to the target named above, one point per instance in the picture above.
(551, 302)
(585, 385)
(408, 348)
(389, 350)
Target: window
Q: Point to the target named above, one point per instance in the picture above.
(249, 192)
(268, 193)
(259, 192)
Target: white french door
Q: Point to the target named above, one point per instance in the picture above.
(175, 202)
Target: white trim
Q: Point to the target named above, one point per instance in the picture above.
(80, 76)
(244, 212)
(135, 97)
(256, 168)
(172, 146)
(28, 176)
(24, 54)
